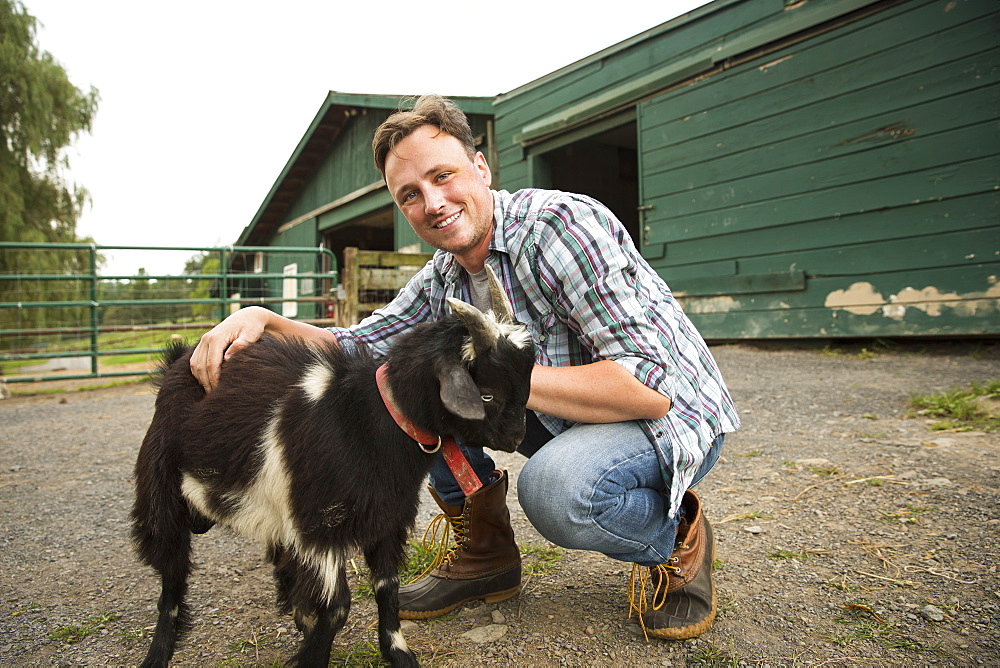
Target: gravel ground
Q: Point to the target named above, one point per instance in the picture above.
(848, 534)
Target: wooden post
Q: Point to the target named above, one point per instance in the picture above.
(349, 313)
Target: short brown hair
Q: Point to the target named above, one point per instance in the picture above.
(427, 110)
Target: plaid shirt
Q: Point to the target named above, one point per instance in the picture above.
(586, 294)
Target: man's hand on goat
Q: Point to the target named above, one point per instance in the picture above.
(239, 331)
(224, 340)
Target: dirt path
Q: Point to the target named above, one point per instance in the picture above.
(848, 534)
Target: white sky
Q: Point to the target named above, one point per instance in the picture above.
(203, 101)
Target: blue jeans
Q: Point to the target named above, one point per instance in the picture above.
(594, 487)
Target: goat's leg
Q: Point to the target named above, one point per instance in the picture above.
(384, 560)
(285, 570)
(164, 542)
(174, 617)
(161, 534)
(319, 616)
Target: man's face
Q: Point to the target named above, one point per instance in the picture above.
(443, 194)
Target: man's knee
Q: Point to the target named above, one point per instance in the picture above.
(551, 501)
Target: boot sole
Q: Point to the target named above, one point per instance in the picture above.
(495, 597)
(687, 632)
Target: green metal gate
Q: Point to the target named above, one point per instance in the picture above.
(77, 323)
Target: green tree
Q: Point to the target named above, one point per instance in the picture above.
(41, 114)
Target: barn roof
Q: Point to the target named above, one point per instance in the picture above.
(333, 116)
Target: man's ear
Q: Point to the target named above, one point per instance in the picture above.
(483, 168)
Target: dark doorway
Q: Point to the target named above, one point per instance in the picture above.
(604, 166)
(373, 231)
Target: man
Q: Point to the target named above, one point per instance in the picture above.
(627, 407)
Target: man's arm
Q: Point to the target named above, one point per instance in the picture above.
(594, 393)
(237, 332)
(599, 286)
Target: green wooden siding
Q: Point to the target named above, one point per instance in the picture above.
(837, 173)
(864, 160)
(331, 181)
(302, 236)
(695, 36)
(347, 168)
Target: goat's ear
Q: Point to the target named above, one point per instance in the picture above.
(502, 309)
(483, 330)
(460, 394)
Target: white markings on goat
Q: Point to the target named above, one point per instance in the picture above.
(517, 334)
(383, 584)
(468, 351)
(328, 564)
(263, 510)
(316, 380)
(196, 493)
(398, 641)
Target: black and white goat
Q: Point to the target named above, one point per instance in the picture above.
(296, 450)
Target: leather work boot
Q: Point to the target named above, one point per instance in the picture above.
(484, 564)
(683, 598)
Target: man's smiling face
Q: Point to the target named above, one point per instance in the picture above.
(444, 194)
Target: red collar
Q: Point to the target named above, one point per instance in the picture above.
(428, 442)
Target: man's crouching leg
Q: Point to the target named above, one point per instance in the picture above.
(484, 564)
(683, 603)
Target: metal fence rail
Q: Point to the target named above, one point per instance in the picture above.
(47, 315)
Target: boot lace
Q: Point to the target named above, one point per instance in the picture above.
(638, 581)
(437, 539)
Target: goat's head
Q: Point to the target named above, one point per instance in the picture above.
(492, 382)
(481, 365)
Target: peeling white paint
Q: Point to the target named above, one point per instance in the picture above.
(701, 305)
(930, 300)
(859, 299)
(862, 298)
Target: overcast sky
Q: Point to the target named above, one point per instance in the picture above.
(203, 102)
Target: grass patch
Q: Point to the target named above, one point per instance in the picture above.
(107, 342)
(790, 554)
(842, 585)
(137, 380)
(255, 642)
(863, 353)
(715, 656)
(419, 558)
(910, 515)
(540, 559)
(961, 409)
(866, 624)
(75, 633)
(71, 634)
(756, 452)
(363, 654)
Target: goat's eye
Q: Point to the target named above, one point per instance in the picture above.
(487, 397)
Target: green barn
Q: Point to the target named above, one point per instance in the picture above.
(817, 168)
